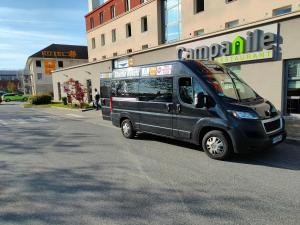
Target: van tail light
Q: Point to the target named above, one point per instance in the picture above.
(110, 104)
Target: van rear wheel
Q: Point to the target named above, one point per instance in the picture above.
(216, 145)
(127, 129)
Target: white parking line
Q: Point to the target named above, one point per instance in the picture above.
(74, 115)
(19, 121)
(38, 119)
(3, 122)
(23, 121)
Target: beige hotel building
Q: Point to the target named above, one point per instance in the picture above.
(259, 40)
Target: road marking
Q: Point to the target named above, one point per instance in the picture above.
(74, 115)
(23, 121)
(19, 121)
(38, 119)
(3, 122)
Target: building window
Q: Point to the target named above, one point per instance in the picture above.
(92, 23)
(104, 57)
(232, 24)
(144, 24)
(199, 5)
(39, 76)
(199, 33)
(113, 35)
(127, 5)
(128, 30)
(93, 43)
(60, 64)
(172, 12)
(142, 1)
(229, 1)
(145, 46)
(283, 10)
(38, 63)
(102, 39)
(101, 17)
(113, 11)
(115, 54)
(129, 50)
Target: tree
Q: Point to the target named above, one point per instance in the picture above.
(75, 90)
(11, 87)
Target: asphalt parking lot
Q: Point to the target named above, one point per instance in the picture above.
(62, 167)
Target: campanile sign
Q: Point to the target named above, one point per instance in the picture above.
(249, 45)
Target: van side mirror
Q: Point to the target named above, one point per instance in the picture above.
(200, 100)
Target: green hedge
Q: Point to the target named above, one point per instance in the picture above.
(40, 99)
(64, 100)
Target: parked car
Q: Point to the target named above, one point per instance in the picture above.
(2, 93)
(14, 97)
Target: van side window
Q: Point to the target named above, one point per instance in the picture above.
(125, 88)
(156, 89)
(186, 90)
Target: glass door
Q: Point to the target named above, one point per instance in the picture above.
(293, 86)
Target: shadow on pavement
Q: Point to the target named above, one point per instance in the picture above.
(284, 156)
(69, 196)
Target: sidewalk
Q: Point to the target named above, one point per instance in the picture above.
(293, 128)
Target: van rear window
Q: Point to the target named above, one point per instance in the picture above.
(105, 90)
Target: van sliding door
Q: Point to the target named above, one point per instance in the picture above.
(155, 105)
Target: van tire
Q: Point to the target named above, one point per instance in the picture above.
(216, 145)
(127, 129)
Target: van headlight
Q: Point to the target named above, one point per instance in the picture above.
(243, 115)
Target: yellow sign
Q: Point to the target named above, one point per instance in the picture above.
(152, 71)
(265, 54)
(49, 65)
(70, 54)
(130, 62)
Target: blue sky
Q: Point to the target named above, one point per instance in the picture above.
(27, 26)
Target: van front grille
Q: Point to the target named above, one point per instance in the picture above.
(272, 125)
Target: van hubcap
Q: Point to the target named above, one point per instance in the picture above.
(215, 145)
(126, 129)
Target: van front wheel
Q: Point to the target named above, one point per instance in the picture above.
(216, 145)
(127, 129)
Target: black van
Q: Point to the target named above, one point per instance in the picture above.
(195, 101)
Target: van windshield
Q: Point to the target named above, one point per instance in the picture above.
(228, 85)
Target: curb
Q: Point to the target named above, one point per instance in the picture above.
(76, 110)
(295, 141)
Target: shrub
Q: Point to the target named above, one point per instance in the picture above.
(65, 100)
(40, 99)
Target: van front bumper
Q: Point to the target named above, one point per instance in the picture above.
(249, 137)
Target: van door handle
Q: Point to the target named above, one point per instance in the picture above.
(178, 107)
(169, 105)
